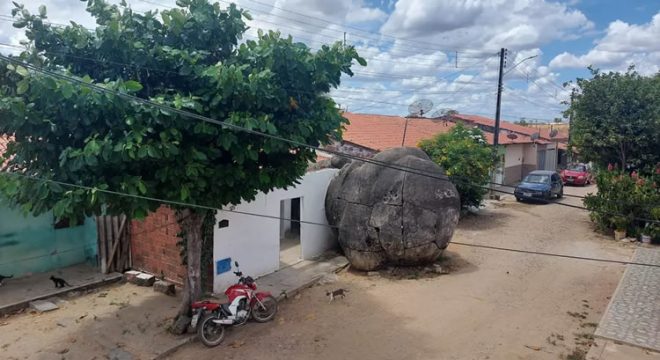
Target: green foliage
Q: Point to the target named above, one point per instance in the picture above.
(623, 199)
(616, 119)
(467, 159)
(521, 122)
(190, 58)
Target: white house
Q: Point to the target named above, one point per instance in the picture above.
(263, 245)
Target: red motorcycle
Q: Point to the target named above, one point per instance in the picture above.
(245, 302)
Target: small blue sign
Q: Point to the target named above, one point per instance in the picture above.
(222, 266)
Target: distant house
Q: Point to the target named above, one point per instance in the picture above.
(368, 134)
(32, 244)
(526, 148)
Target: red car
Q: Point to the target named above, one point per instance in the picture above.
(577, 174)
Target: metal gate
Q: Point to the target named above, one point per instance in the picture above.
(540, 160)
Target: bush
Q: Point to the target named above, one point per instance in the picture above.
(466, 158)
(623, 200)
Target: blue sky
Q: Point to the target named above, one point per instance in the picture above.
(411, 46)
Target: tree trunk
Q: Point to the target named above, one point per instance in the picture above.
(191, 222)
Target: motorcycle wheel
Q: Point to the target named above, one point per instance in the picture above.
(265, 313)
(210, 333)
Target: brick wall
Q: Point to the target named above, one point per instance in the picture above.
(153, 245)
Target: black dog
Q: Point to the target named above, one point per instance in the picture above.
(3, 277)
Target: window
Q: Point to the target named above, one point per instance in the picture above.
(537, 179)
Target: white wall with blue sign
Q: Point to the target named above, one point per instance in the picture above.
(255, 241)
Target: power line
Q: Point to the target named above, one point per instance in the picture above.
(546, 106)
(424, 45)
(307, 40)
(533, 252)
(135, 66)
(262, 134)
(178, 203)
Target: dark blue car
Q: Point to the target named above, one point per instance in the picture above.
(540, 184)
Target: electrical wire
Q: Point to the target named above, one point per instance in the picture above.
(258, 133)
(423, 45)
(178, 203)
(307, 40)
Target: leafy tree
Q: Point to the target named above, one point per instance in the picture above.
(467, 159)
(616, 119)
(521, 122)
(191, 58)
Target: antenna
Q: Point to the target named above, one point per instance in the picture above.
(511, 136)
(420, 107)
(535, 136)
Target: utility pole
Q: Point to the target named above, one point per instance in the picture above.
(570, 118)
(496, 134)
(496, 139)
(344, 39)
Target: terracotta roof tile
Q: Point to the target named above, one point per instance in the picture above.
(524, 133)
(380, 132)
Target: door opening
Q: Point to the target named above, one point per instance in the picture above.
(290, 249)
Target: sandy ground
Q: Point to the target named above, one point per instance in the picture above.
(493, 305)
(102, 324)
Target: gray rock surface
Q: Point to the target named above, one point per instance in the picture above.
(43, 306)
(388, 216)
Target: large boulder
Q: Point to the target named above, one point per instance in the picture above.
(389, 216)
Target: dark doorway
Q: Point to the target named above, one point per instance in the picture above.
(290, 249)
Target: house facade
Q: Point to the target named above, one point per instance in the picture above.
(286, 233)
(282, 234)
(33, 244)
(521, 152)
(525, 148)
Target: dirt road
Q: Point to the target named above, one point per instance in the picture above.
(493, 305)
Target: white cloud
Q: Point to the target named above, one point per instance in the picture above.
(622, 45)
(489, 25)
(364, 14)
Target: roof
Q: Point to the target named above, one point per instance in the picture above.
(380, 132)
(524, 133)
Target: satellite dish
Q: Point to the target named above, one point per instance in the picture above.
(511, 136)
(420, 107)
(553, 133)
(437, 114)
(443, 112)
(535, 136)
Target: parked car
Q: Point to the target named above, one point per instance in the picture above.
(576, 174)
(540, 184)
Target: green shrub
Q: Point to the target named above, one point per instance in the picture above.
(467, 159)
(624, 200)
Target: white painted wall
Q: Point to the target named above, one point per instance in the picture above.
(285, 213)
(513, 155)
(551, 157)
(255, 241)
(529, 154)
